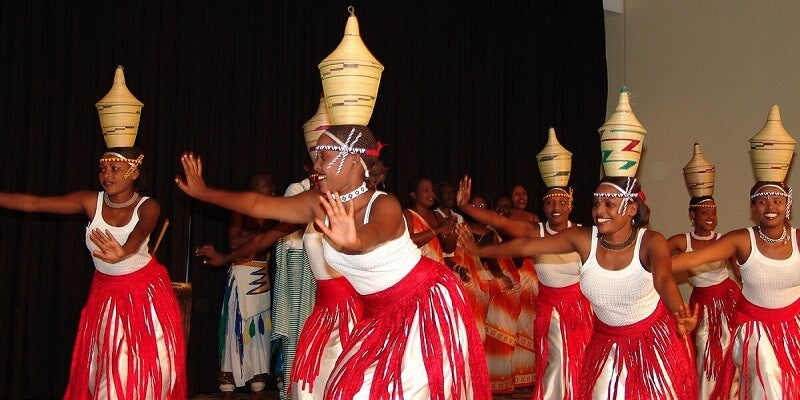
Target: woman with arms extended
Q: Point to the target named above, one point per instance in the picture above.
(130, 342)
(417, 336)
(635, 350)
(765, 354)
(564, 316)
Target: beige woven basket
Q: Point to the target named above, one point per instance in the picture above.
(771, 149)
(119, 113)
(699, 174)
(621, 139)
(350, 78)
(555, 162)
(318, 123)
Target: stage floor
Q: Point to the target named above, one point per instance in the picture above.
(522, 393)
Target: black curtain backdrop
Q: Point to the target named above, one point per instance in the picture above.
(468, 88)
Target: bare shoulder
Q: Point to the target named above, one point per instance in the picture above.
(149, 207)
(386, 202)
(653, 236)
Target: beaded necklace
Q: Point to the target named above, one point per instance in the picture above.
(355, 193)
(127, 203)
(618, 246)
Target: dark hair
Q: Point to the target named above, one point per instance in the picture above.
(697, 200)
(140, 184)
(377, 173)
(413, 184)
(761, 184)
(642, 217)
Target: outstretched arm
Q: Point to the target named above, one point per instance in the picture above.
(73, 203)
(656, 257)
(298, 209)
(514, 228)
(732, 244)
(565, 242)
(254, 245)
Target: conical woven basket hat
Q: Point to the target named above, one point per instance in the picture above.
(621, 139)
(350, 78)
(771, 149)
(119, 113)
(699, 174)
(314, 127)
(555, 162)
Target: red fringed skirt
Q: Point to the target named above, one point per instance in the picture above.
(417, 339)
(561, 331)
(326, 332)
(130, 340)
(714, 333)
(765, 355)
(645, 360)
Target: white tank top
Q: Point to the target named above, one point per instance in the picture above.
(312, 243)
(708, 274)
(771, 283)
(379, 269)
(557, 270)
(120, 233)
(621, 297)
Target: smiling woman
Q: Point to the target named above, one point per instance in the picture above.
(415, 310)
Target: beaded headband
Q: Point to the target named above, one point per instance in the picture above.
(781, 192)
(346, 147)
(134, 163)
(701, 205)
(559, 193)
(625, 194)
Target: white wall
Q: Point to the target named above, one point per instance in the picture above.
(706, 71)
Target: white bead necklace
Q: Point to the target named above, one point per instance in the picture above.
(355, 193)
(702, 238)
(782, 239)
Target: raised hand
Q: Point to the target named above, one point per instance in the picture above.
(686, 319)
(210, 255)
(341, 228)
(109, 250)
(464, 191)
(194, 185)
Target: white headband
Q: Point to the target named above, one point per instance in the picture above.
(624, 194)
(780, 192)
(344, 149)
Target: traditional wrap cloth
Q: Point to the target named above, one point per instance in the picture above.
(432, 249)
(130, 341)
(417, 339)
(765, 355)
(563, 325)
(644, 359)
(501, 328)
(327, 330)
(715, 295)
(293, 299)
(525, 351)
(476, 289)
(292, 294)
(245, 326)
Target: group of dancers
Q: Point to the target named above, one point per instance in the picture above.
(605, 321)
